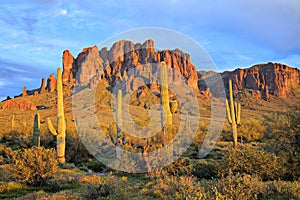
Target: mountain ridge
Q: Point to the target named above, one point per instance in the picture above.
(92, 65)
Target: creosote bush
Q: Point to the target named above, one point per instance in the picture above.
(34, 166)
(252, 161)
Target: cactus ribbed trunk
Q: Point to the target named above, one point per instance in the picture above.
(36, 130)
(233, 114)
(13, 122)
(60, 133)
(164, 96)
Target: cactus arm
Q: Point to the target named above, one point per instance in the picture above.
(228, 113)
(50, 127)
(238, 111)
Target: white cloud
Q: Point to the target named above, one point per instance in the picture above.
(63, 12)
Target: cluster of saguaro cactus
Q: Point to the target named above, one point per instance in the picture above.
(164, 95)
(233, 114)
(36, 130)
(60, 132)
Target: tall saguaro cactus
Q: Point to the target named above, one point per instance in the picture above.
(164, 95)
(60, 132)
(233, 114)
(36, 130)
(13, 122)
(119, 113)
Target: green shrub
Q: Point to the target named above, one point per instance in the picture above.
(34, 166)
(251, 130)
(107, 187)
(180, 167)
(282, 190)
(237, 187)
(96, 166)
(283, 138)
(252, 161)
(205, 169)
(76, 152)
(175, 187)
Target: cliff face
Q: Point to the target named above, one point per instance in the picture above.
(91, 65)
(264, 79)
(116, 63)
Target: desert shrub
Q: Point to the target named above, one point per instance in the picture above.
(34, 166)
(207, 169)
(10, 190)
(282, 190)
(76, 152)
(238, 187)
(107, 187)
(252, 161)
(283, 138)
(175, 187)
(96, 165)
(63, 183)
(200, 135)
(67, 166)
(181, 166)
(251, 130)
(17, 140)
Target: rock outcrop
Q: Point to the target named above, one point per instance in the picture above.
(265, 79)
(24, 92)
(51, 83)
(114, 64)
(43, 86)
(68, 63)
(24, 105)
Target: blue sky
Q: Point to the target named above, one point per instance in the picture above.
(235, 33)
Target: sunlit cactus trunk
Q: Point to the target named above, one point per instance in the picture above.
(119, 113)
(13, 122)
(233, 114)
(164, 96)
(60, 132)
(36, 130)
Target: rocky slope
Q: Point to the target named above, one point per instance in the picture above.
(265, 79)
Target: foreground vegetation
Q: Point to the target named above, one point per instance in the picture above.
(264, 165)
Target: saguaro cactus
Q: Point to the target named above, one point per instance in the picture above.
(36, 130)
(13, 122)
(233, 114)
(164, 95)
(116, 130)
(119, 113)
(60, 133)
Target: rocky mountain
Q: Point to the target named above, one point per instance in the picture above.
(126, 59)
(122, 61)
(264, 80)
